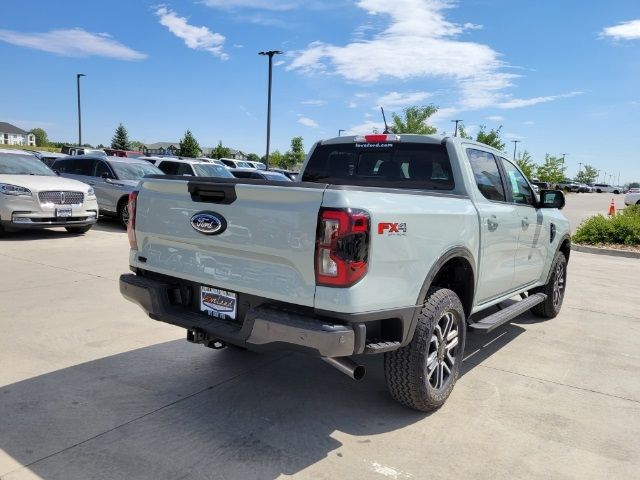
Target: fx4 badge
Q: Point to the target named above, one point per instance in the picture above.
(392, 229)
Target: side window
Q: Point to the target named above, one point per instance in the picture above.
(80, 166)
(487, 175)
(170, 168)
(183, 169)
(517, 184)
(102, 168)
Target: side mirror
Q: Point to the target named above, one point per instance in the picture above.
(552, 199)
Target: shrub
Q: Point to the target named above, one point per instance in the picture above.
(621, 229)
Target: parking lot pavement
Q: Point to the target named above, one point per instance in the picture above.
(91, 389)
(583, 205)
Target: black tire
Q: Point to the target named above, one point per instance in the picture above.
(598, 191)
(554, 289)
(410, 379)
(616, 192)
(79, 230)
(123, 212)
(637, 203)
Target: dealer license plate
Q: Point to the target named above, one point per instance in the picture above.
(218, 303)
(63, 212)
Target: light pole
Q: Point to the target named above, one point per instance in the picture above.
(515, 144)
(79, 115)
(456, 122)
(563, 155)
(340, 131)
(270, 54)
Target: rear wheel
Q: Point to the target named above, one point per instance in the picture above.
(79, 230)
(422, 374)
(554, 289)
(123, 212)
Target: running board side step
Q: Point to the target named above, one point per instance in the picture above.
(506, 314)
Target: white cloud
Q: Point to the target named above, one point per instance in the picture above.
(623, 31)
(314, 103)
(495, 118)
(74, 42)
(352, 105)
(196, 38)
(527, 102)
(529, 122)
(277, 5)
(397, 99)
(278, 63)
(366, 127)
(307, 122)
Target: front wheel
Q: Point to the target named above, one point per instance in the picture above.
(554, 289)
(421, 375)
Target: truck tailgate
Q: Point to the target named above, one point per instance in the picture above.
(266, 250)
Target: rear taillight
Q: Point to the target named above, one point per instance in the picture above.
(377, 138)
(342, 247)
(131, 225)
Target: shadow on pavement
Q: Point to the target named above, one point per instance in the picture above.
(176, 410)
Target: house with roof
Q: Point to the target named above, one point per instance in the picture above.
(12, 135)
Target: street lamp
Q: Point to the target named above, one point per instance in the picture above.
(455, 134)
(270, 54)
(515, 144)
(79, 116)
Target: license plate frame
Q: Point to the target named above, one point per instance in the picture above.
(65, 212)
(218, 303)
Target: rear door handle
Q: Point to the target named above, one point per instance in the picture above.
(492, 223)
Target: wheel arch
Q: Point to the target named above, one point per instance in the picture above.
(455, 270)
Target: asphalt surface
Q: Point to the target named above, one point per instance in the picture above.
(92, 389)
(583, 205)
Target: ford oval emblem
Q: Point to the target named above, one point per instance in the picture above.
(209, 223)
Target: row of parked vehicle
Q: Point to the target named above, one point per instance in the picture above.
(568, 185)
(72, 191)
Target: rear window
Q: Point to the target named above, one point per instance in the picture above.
(393, 165)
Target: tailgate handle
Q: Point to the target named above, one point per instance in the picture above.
(212, 193)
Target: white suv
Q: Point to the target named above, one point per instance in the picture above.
(606, 188)
(192, 167)
(33, 196)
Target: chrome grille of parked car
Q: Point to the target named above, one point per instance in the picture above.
(61, 198)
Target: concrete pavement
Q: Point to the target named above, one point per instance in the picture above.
(91, 389)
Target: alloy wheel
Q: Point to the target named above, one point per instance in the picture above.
(442, 351)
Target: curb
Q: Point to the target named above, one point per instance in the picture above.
(605, 251)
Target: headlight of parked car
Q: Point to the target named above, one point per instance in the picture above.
(91, 193)
(16, 190)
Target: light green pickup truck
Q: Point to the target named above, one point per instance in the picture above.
(387, 244)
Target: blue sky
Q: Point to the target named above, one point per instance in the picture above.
(562, 77)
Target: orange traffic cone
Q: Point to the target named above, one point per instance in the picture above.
(612, 208)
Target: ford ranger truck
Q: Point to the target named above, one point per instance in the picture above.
(387, 244)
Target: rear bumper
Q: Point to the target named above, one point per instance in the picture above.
(265, 326)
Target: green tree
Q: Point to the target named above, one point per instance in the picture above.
(41, 137)
(136, 145)
(189, 146)
(275, 158)
(634, 185)
(552, 170)
(252, 157)
(120, 140)
(587, 175)
(462, 131)
(414, 120)
(297, 150)
(491, 138)
(526, 164)
(220, 152)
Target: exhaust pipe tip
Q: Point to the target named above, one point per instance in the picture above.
(347, 366)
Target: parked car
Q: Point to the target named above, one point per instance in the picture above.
(113, 179)
(48, 157)
(231, 163)
(67, 150)
(259, 174)
(632, 197)
(289, 173)
(258, 165)
(584, 188)
(606, 188)
(193, 167)
(33, 196)
(568, 186)
(112, 152)
(390, 245)
(215, 161)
